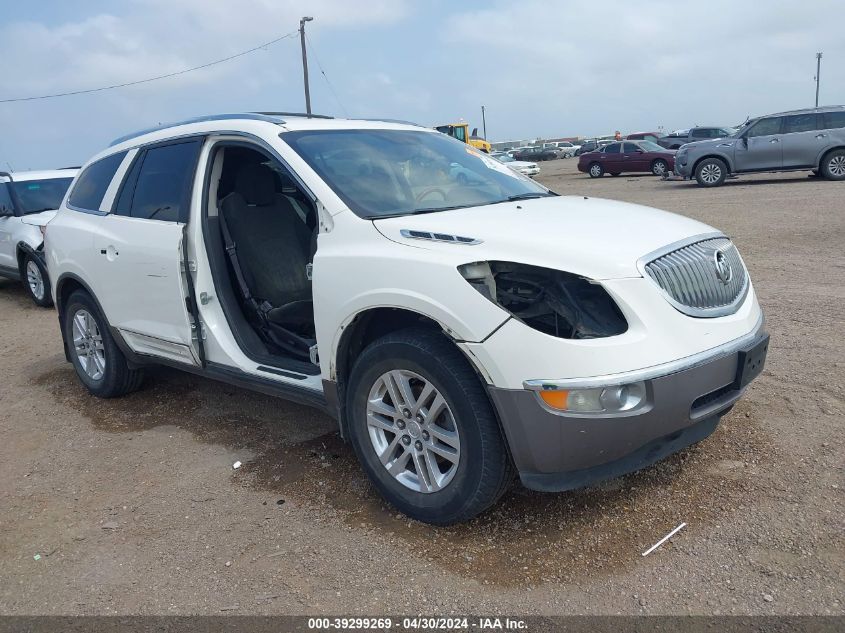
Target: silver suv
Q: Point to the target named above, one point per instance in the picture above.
(801, 139)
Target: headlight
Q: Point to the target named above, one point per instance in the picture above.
(614, 399)
(551, 301)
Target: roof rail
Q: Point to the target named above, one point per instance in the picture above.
(400, 121)
(300, 114)
(255, 116)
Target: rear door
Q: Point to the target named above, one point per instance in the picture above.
(803, 140)
(634, 158)
(145, 291)
(761, 148)
(612, 158)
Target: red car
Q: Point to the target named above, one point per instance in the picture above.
(628, 156)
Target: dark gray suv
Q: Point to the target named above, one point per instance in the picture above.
(811, 139)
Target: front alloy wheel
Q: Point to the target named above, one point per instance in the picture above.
(413, 431)
(35, 280)
(711, 172)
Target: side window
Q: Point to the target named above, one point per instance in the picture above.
(701, 132)
(799, 123)
(613, 148)
(158, 187)
(6, 206)
(630, 148)
(92, 183)
(765, 127)
(833, 120)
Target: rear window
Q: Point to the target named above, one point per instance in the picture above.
(834, 120)
(91, 185)
(35, 196)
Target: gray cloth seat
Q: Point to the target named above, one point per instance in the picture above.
(273, 246)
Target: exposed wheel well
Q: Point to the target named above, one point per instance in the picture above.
(716, 156)
(364, 329)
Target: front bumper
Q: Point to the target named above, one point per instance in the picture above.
(556, 451)
(682, 167)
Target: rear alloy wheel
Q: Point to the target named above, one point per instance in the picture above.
(711, 172)
(596, 170)
(36, 281)
(98, 361)
(833, 167)
(659, 167)
(423, 428)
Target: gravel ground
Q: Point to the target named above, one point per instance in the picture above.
(133, 505)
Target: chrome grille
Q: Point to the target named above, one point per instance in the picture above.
(690, 277)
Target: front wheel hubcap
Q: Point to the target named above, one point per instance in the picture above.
(595, 170)
(35, 279)
(422, 456)
(88, 345)
(711, 173)
(659, 168)
(837, 166)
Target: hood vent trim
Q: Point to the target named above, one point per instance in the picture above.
(445, 238)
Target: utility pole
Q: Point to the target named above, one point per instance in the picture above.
(484, 123)
(305, 63)
(818, 74)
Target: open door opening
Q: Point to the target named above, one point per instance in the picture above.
(261, 236)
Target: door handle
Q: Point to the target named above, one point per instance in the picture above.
(821, 135)
(775, 140)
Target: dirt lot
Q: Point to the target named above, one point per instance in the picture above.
(134, 507)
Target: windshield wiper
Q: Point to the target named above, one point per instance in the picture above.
(529, 196)
(421, 211)
(34, 211)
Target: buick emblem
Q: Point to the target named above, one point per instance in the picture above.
(724, 272)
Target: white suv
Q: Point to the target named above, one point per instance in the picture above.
(28, 200)
(456, 330)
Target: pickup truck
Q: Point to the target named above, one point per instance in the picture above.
(681, 137)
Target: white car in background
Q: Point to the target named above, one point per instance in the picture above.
(524, 167)
(567, 148)
(456, 331)
(28, 201)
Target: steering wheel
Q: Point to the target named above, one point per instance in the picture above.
(432, 190)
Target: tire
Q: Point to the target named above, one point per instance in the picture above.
(595, 170)
(35, 280)
(102, 367)
(479, 469)
(659, 167)
(833, 165)
(711, 172)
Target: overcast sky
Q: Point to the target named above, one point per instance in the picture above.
(542, 68)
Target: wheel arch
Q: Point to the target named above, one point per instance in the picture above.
(66, 285)
(823, 155)
(23, 249)
(721, 157)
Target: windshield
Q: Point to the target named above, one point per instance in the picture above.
(35, 196)
(651, 147)
(381, 173)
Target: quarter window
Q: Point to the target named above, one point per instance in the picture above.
(91, 185)
(158, 187)
(765, 127)
(799, 123)
(833, 120)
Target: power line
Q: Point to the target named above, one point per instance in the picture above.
(144, 81)
(323, 72)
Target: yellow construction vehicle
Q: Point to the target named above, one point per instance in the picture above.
(460, 131)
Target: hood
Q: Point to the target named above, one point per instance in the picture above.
(592, 237)
(520, 163)
(39, 219)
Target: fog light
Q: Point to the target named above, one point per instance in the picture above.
(613, 399)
